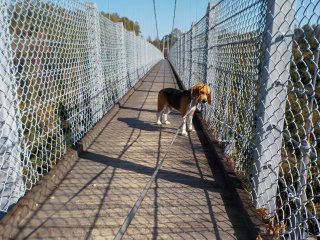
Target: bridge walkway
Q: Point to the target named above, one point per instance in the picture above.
(188, 200)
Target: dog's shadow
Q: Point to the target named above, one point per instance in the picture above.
(140, 124)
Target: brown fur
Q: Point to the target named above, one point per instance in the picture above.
(162, 102)
(184, 102)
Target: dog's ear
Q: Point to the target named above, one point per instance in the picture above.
(195, 91)
(209, 97)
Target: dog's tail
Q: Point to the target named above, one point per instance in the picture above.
(161, 101)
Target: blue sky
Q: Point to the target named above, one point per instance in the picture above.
(142, 12)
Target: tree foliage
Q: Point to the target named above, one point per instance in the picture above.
(303, 114)
(127, 23)
(304, 85)
(167, 40)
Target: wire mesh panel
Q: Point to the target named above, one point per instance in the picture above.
(111, 56)
(234, 52)
(105, 61)
(261, 59)
(96, 75)
(12, 186)
(62, 67)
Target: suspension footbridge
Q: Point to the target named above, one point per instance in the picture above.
(79, 141)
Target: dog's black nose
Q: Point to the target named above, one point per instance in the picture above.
(204, 100)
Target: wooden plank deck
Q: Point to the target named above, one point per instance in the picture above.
(187, 201)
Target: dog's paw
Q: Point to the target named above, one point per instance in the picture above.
(184, 133)
(159, 123)
(191, 130)
(166, 123)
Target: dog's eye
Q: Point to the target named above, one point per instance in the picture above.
(202, 92)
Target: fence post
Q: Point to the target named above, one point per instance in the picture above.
(182, 37)
(122, 69)
(128, 59)
(192, 42)
(96, 82)
(135, 48)
(272, 100)
(210, 58)
(11, 175)
(185, 57)
(178, 51)
(205, 80)
(133, 72)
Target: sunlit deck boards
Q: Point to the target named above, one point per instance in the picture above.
(187, 200)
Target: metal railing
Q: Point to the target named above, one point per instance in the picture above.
(62, 67)
(261, 58)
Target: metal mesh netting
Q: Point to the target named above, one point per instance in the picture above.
(62, 67)
(261, 59)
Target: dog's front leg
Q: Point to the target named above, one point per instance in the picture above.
(189, 122)
(183, 127)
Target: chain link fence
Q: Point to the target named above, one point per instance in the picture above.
(62, 67)
(261, 59)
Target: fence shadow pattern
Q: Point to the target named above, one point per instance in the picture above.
(261, 59)
(62, 67)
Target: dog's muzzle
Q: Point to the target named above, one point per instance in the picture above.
(204, 101)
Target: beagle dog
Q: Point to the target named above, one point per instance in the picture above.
(183, 101)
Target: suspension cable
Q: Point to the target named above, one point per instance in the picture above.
(155, 16)
(174, 16)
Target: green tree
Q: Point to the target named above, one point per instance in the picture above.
(127, 23)
(166, 40)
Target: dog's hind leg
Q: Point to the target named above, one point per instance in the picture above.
(161, 105)
(166, 111)
(159, 114)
